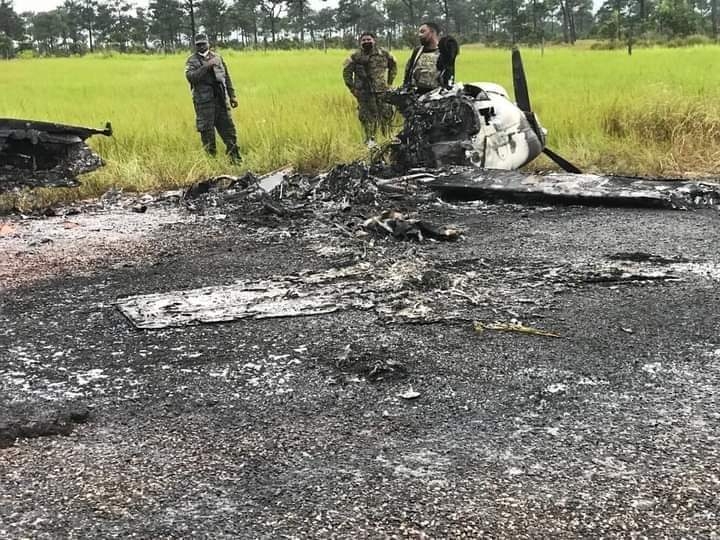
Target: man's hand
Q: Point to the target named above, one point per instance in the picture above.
(233, 102)
(214, 61)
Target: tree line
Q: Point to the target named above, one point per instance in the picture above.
(81, 26)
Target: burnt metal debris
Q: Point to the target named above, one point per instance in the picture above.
(586, 189)
(435, 132)
(45, 154)
(409, 290)
(399, 226)
(475, 124)
(380, 187)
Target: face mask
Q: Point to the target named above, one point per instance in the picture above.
(204, 53)
(367, 47)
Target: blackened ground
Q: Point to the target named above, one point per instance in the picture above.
(260, 429)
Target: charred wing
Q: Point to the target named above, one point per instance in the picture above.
(45, 154)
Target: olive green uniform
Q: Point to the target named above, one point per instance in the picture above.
(368, 75)
(212, 89)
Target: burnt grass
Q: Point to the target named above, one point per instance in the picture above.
(263, 429)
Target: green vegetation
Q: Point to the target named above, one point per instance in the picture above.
(655, 112)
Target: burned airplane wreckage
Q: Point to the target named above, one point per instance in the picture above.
(461, 141)
(473, 124)
(45, 154)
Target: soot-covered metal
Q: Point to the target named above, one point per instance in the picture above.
(45, 154)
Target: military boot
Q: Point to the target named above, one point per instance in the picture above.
(234, 154)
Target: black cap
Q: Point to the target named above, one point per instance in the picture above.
(201, 38)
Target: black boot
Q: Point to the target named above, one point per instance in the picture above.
(234, 154)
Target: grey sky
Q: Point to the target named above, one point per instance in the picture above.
(46, 5)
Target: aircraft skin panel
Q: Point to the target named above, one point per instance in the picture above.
(507, 141)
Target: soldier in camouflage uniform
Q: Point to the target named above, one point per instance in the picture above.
(368, 74)
(213, 96)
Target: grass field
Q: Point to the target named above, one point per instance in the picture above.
(655, 112)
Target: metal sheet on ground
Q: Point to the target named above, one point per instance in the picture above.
(404, 291)
(579, 189)
(224, 304)
(294, 296)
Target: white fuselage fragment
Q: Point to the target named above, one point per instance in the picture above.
(506, 139)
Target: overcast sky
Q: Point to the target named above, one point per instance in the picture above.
(46, 5)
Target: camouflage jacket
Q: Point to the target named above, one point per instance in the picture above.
(207, 81)
(368, 73)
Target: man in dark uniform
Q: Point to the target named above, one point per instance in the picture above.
(368, 74)
(213, 95)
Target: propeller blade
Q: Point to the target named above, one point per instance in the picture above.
(522, 96)
(561, 161)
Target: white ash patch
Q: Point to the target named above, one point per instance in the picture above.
(423, 465)
(78, 242)
(272, 375)
(653, 368)
(556, 388)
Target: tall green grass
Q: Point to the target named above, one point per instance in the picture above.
(655, 112)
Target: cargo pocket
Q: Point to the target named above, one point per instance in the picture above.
(205, 116)
(203, 94)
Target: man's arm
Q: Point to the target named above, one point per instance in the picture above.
(195, 70)
(229, 87)
(407, 79)
(348, 74)
(392, 69)
(228, 82)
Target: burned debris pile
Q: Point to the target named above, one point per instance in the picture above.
(397, 225)
(44, 154)
(349, 184)
(372, 190)
(354, 197)
(408, 288)
(436, 132)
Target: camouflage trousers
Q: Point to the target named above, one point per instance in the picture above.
(375, 114)
(213, 115)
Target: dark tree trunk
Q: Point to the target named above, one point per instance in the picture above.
(534, 17)
(302, 23)
(191, 8)
(565, 22)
